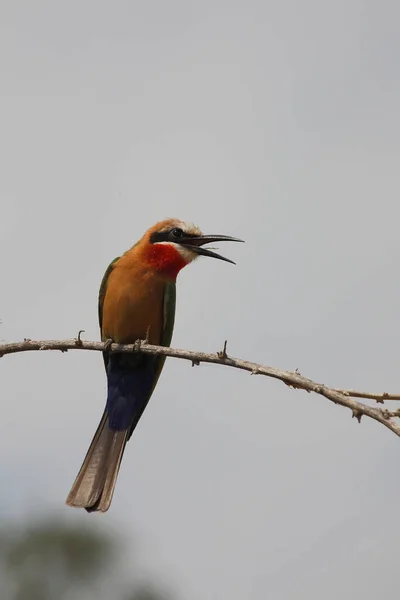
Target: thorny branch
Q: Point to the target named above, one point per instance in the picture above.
(292, 379)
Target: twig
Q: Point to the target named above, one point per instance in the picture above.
(293, 379)
(379, 398)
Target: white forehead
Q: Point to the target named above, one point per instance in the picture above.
(185, 226)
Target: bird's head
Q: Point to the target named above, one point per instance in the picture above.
(172, 244)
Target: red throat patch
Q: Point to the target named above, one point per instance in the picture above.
(165, 259)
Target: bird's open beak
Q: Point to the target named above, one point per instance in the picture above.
(196, 244)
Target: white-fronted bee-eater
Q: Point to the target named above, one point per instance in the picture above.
(136, 300)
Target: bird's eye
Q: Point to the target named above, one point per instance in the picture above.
(176, 233)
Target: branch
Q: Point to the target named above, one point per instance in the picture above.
(379, 398)
(292, 379)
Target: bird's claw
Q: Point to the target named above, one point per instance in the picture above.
(107, 345)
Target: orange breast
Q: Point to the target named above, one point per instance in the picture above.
(133, 303)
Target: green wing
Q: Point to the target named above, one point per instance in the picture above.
(102, 293)
(169, 315)
(168, 328)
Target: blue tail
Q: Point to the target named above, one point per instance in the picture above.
(130, 382)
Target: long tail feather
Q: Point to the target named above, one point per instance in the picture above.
(94, 485)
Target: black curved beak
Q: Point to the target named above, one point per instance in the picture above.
(195, 244)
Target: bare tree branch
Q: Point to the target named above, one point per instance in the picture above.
(293, 379)
(379, 398)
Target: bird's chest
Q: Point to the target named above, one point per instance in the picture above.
(132, 307)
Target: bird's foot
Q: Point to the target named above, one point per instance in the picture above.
(107, 345)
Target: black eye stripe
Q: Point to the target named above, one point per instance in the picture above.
(170, 235)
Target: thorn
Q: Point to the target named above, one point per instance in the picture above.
(382, 400)
(27, 340)
(222, 353)
(78, 341)
(296, 386)
(255, 372)
(387, 414)
(356, 414)
(195, 362)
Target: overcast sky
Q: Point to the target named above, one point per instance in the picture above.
(277, 122)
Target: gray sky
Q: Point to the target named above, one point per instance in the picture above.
(277, 122)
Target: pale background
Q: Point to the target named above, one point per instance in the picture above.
(277, 122)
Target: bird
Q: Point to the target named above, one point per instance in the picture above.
(136, 302)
